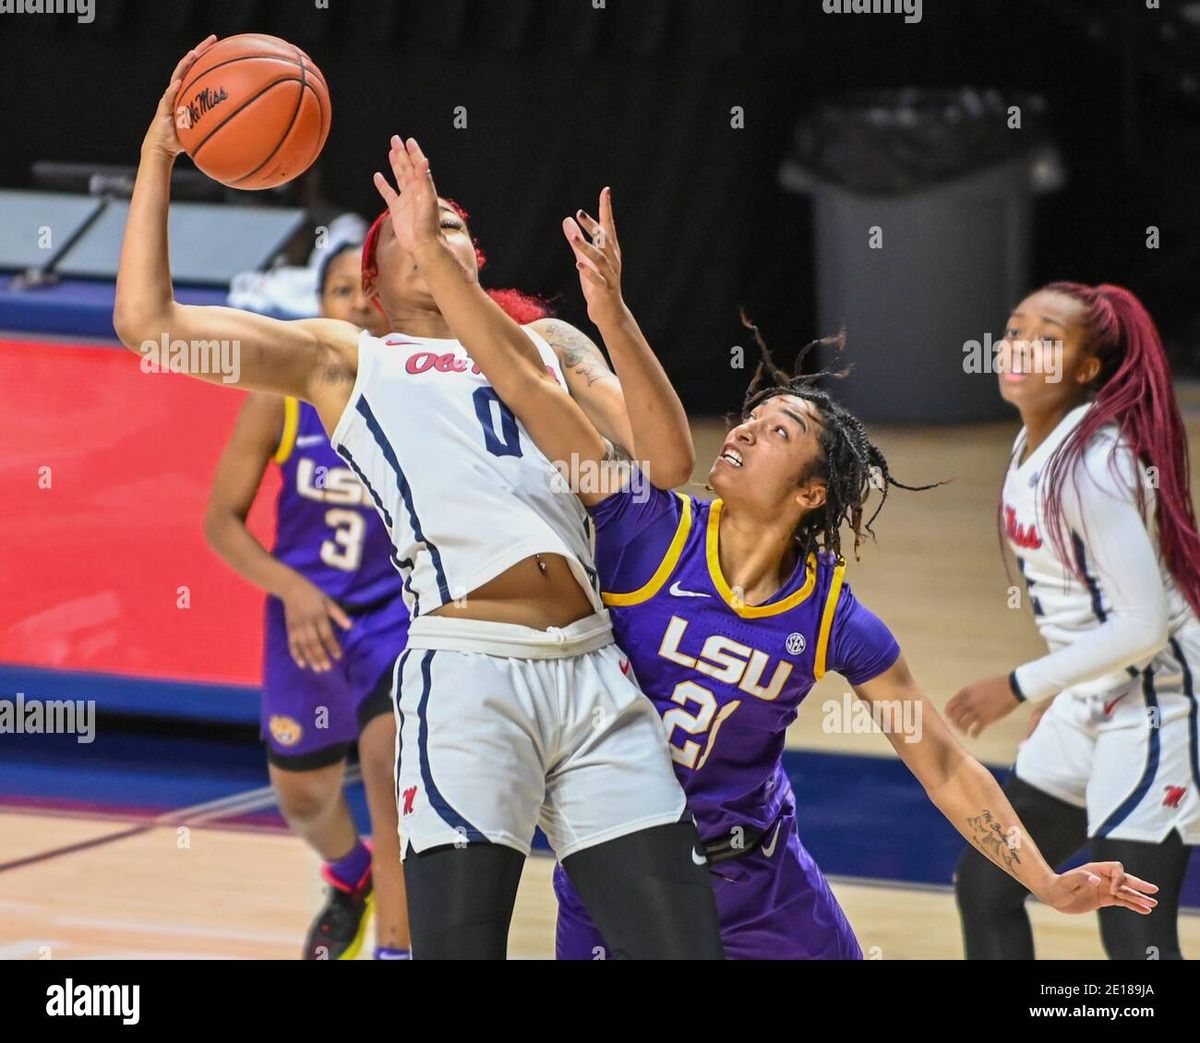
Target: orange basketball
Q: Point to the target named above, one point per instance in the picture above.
(253, 111)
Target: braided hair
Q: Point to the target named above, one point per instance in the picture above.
(1134, 391)
(850, 464)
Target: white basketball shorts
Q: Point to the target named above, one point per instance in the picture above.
(503, 727)
(1129, 756)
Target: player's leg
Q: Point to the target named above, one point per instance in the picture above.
(377, 756)
(461, 900)
(575, 935)
(309, 724)
(313, 803)
(471, 781)
(370, 650)
(1128, 935)
(616, 816)
(1143, 788)
(991, 904)
(649, 894)
(774, 902)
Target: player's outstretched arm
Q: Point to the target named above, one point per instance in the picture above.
(660, 437)
(309, 358)
(309, 612)
(501, 349)
(239, 473)
(973, 802)
(590, 379)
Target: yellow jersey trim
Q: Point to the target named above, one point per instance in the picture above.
(291, 423)
(732, 600)
(831, 603)
(666, 566)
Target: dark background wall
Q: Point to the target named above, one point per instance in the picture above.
(562, 98)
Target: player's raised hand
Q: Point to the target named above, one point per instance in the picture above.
(162, 135)
(981, 704)
(413, 203)
(1097, 885)
(598, 258)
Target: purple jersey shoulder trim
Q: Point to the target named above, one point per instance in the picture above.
(669, 561)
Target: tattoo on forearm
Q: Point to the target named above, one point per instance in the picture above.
(990, 837)
(578, 353)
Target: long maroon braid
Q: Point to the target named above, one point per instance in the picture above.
(1133, 390)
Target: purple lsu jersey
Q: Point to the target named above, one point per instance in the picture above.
(327, 527)
(727, 677)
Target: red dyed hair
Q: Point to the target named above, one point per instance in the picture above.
(522, 308)
(1133, 390)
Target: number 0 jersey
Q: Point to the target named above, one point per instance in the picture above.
(461, 487)
(327, 528)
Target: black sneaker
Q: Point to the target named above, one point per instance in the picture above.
(338, 930)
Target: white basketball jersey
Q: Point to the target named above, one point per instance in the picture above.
(461, 487)
(1065, 602)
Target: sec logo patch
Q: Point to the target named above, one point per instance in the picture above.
(796, 643)
(285, 730)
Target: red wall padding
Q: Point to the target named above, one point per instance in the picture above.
(89, 568)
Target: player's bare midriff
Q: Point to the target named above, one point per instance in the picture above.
(535, 592)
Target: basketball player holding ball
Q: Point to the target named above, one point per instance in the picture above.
(514, 704)
(727, 670)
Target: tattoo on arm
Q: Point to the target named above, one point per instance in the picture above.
(577, 353)
(990, 837)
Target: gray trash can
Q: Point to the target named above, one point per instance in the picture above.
(922, 204)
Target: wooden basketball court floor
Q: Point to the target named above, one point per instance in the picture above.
(75, 885)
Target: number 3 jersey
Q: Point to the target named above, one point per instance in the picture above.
(461, 487)
(726, 677)
(327, 527)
